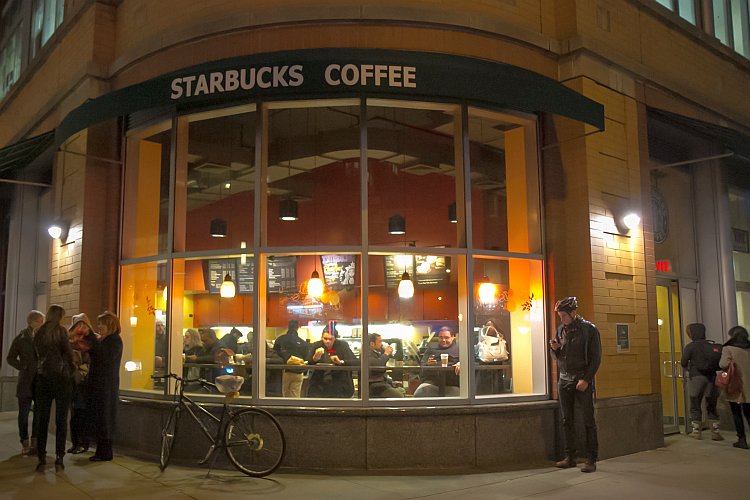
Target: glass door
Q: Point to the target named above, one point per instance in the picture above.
(670, 351)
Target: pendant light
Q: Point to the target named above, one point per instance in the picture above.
(487, 290)
(218, 228)
(396, 224)
(288, 210)
(452, 213)
(315, 285)
(227, 289)
(406, 286)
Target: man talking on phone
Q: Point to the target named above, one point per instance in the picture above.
(578, 350)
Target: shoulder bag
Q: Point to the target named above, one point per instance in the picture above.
(729, 380)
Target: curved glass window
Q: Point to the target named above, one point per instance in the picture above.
(417, 280)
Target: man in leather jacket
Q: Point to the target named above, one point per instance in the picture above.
(577, 348)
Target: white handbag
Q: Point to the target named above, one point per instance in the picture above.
(492, 349)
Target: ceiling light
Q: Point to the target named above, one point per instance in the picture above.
(315, 285)
(288, 210)
(396, 225)
(452, 213)
(487, 290)
(218, 228)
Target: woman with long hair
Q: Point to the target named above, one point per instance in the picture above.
(52, 383)
(104, 384)
(737, 349)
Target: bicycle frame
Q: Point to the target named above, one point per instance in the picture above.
(184, 401)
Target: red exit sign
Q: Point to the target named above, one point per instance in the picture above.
(663, 266)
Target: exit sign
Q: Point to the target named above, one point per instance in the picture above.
(663, 266)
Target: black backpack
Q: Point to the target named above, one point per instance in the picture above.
(706, 357)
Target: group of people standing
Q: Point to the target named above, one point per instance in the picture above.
(78, 369)
(703, 358)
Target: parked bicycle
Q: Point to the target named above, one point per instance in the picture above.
(251, 437)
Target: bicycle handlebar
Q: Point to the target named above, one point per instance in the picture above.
(201, 381)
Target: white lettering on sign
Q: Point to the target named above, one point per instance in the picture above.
(232, 79)
(365, 74)
(266, 77)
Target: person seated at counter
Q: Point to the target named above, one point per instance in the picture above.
(191, 345)
(211, 351)
(434, 379)
(329, 350)
(380, 383)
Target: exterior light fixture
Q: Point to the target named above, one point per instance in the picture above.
(406, 286)
(487, 290)
(218, 228)
(452, 213)
(227, 289)
(58, 230)
(396, 225)
(288, 210)
(631, 220)
(228, 185)
(315, 285)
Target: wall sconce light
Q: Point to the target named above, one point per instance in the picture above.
(227, 289)
(58, 230)
(396, 225)
(406, 286)
(452, 213)
(288, 210)
(631, 220)
(218, 228)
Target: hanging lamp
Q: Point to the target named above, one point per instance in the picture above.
(487, 290)
(227, 289)
(406, 286)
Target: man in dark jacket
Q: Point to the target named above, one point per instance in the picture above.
(701, 358)
(436, 382)
(21, 357)
(578, 350)
(288, 345)
(331, 383)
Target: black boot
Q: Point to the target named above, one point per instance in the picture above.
(59, 465)
(41, 464)
(741, 443)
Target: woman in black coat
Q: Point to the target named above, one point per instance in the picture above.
(52, 383)
(104, 384)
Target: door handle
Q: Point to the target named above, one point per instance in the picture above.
(666, 369)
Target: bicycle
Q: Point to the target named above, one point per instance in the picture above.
(251, 437)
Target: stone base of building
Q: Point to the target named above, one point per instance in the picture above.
(415, 440)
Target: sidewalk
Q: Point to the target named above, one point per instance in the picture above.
(684, 469)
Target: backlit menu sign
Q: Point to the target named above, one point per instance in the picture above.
(282, 274)
(339, 271)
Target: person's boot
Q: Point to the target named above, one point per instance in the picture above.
(589, 466)
(41, 464)
(741, 443)
(696, 432)
(25, 447)
(715, 434)
(59, 465)
(566, 463)
(32, 447)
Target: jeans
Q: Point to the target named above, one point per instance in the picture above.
(48, 389)
(568, 396)
(698, 387)
(737, 410)
(24, 407)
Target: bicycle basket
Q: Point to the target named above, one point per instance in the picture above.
(228, 384)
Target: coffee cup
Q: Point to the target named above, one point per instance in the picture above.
(443, 360)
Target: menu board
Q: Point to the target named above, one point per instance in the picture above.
(395, 265)
(339, 271)
(282, 274)
(214, 271)
(245, 276)
(430, 271)
(426, 271)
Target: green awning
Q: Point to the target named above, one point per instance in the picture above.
(341, 73)
(16, 157)
(733, 140)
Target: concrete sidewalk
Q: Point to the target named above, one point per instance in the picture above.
(684, 469)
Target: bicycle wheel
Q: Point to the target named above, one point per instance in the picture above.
(254, 442)
(167, 437)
